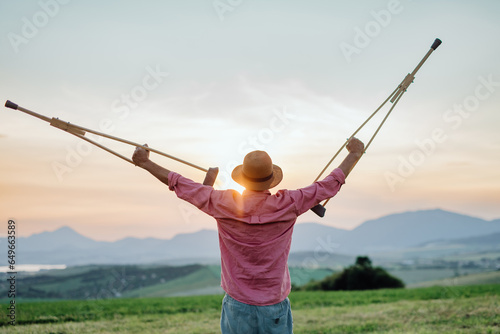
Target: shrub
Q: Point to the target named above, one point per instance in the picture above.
(360, 276)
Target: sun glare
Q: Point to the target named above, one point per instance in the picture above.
(228, 184)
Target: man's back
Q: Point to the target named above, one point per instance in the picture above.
(255, 233)
(254, 249)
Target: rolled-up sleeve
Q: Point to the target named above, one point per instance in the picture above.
(308, 197)
(190, 191)
(216, 203)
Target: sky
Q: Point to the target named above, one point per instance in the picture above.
(211, 80)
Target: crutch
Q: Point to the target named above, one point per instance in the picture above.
(394, 98)
(79, 131)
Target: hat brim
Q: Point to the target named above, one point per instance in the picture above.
(238, 176)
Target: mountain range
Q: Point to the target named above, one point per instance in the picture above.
(395, 232)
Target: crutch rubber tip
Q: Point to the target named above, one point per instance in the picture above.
(436, 43)
(10, 104)
(211, 176)
(319, 210)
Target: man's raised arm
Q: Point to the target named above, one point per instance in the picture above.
(356, 149)
(141, 159)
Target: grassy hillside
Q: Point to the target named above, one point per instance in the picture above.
(423, 310)
(95, 281)
(423, 275)
(492, 277)
(98, 282)
(196, 283)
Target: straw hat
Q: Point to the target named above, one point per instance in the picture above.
(257, 172)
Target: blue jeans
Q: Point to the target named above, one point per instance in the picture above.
(241, 318)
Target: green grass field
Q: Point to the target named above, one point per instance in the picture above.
(451, 309)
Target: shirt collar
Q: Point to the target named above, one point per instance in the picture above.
(248, 192)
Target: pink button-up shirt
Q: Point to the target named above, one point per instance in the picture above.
(255, 232)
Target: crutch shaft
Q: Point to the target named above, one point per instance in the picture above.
(139, 145)
(80, 131)
(394, 98)
(353, 134)
(103, 147)
(14, 106)
(371, 139)
(437, 42)
(411, 76)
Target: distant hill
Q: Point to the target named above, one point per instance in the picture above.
(492, 277)
(65, 246)
(394, 232)
(398, 231)
(316, 242)
(313, 236)
(489, 242)
(60, 239)
(309, 259)
(492, 240)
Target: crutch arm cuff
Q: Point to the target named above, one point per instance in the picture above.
(319, 210)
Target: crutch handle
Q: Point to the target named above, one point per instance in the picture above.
(211, 176)
(437, 42)
(11, 105)
(319, 210)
